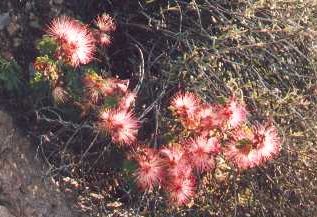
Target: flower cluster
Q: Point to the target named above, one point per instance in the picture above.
(106, 26)
(208, 131)
(121, 124)
(214, 129)
(75, 40)
(68, 45)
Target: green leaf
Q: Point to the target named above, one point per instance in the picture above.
(47, 46)
(10, 76)
(129, 166)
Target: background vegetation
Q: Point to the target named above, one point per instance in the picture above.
(263, 51)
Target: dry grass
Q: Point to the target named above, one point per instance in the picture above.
(263, 51)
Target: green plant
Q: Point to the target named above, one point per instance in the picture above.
(10, 76)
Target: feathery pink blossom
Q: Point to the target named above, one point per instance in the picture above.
(199, 152)
(77, 43)
(150, 170)
(236, 113)
(105, 23)
(210, 117)
(173, 154)
(176, 161)
(243, 157)
(185, 104)
(181, 190)
(95, 87)
(126, 101)
(208, 145)
(240, 150)
(267, 142)
(122, 125)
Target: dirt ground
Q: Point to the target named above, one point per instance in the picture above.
(24, 189)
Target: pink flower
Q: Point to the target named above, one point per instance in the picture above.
(121, 125)
(105, 23)
(253, 147)
(199, 152)
(150, 170)
(267, 142)
(210, 117)
(60, 95)
(236, 113)
(176, 161)
(185, 104)
(127, 100)
(240, 150)
(104, 39)
(243, 157)
(95, 87)
(173, 154)
(77, 44)
(181, 190)
(209, 145)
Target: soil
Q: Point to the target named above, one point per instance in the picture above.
(25, 191)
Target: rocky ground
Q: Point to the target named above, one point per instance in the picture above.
(25, 191)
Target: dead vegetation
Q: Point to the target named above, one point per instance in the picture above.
(261, 51)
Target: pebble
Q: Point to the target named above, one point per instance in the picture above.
(4, 20)
(4, 212)
(58, 1)
(35, 24)
(17, 42)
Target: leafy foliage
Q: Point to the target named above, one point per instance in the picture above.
(10, 76)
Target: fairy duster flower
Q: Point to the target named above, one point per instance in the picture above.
(177, 162)
(122, 125)
(200, 150)
(181, 190)
(106, 25)
(267, 142)
(76, 42)
(254, 146)
(210, 117)
(240, 149)
(150, 170)
(185, 104)
(236, 113)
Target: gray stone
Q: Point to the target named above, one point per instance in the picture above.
(58, 1)
(4, 20)
(22, 179)
(4, 212)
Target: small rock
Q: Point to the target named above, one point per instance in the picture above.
(28, 6)
(17, 42)
(58, 1)
(4, 212)
(12, 28)
(4, 20)
(35, 24)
